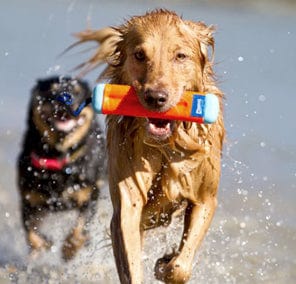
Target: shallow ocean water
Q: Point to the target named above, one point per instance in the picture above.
(252, 237)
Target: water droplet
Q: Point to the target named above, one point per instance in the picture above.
(262, 98)
(262, 144)
(267, 202)
(240, 59)
(53, 249)
(53, 69)
(242, 225)
(76, 187)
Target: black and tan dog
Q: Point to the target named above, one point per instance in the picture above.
(62, 160)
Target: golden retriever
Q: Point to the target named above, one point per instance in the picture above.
(156, 166)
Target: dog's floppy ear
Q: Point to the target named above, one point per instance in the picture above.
(205, 37)
(107, 51)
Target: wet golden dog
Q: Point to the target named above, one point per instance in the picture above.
(155, 166)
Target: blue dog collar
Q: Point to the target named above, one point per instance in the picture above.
(67, 99)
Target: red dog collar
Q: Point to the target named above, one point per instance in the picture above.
(53, 164)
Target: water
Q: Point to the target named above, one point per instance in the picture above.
(252, 237)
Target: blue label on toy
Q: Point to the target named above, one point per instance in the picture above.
(198, 106)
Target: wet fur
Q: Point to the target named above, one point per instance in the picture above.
(149, 178)
(76, 185)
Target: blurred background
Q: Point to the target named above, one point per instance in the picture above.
(252, 237)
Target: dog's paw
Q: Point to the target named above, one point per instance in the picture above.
(73, 243)
(169, 270)
(38, 242)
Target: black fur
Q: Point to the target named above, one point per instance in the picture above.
(52, 184)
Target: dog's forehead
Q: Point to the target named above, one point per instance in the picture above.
(161, 32)
(66, 85)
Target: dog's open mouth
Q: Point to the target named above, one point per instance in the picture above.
(68, 124)
(159, 128)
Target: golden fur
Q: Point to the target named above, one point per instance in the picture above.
(150, 176)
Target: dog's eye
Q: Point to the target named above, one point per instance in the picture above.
(181, 56)
(140, 55)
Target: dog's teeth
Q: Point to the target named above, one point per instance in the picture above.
(65, 126)
(81, 121)
(159, 131)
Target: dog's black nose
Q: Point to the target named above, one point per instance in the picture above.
(155, 98)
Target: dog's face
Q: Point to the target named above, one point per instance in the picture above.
(161, 57)
(53, 102)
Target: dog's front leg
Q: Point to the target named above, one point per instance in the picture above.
(85, 199)
(197, 220)
(125, 231)
(75, 239)
(32, 215)
(132, 169)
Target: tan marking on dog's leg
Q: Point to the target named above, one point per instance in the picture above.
(81, 196)
(34, 198)
(78, 236)
(75, 240)
(37, 242)
(197, 221)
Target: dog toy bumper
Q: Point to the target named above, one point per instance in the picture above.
(123, 100)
